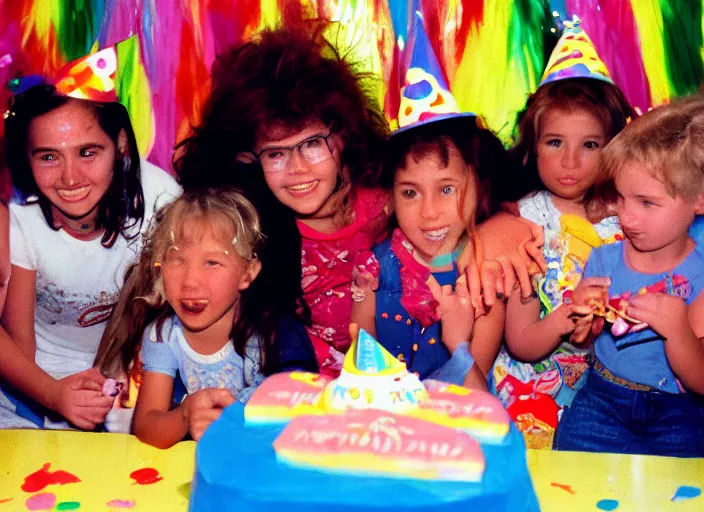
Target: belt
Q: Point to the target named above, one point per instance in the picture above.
(604, 372)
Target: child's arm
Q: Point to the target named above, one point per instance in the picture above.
(475, 379)
(487, 336)
(158, 426)
(78, 398)
(364, 313)
(457, 321)
(365, 282)
(683, 330)
(18, 316)
(512, 245)
(530, 338)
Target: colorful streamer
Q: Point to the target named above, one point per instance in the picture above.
(493, 52)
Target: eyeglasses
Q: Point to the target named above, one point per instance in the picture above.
(313, 150)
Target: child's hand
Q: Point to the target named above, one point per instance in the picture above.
(467, 264)
(561, 319)
(591, 292)
(79, 398)
(662, 312)
(513, 258)
(204, 407)
(365, 275)
(455, 311)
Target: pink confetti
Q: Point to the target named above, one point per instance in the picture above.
(44, 501)
(121, 503)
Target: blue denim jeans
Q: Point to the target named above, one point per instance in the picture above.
(607, 417)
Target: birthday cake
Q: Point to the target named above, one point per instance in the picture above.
(375, 438)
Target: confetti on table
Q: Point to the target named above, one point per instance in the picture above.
(40, 479)
(44, 501)
(607, 505)
(686, 492)
(121, 504)
(146, 476)
(564, 487)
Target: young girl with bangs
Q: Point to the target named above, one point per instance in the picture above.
(416, 300)
(82, 200)
(191, 308)
(565, 125)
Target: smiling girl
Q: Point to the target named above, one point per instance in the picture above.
(303, 120)
(82, 200)
(420, 309)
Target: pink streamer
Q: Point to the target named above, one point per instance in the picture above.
(612, 28)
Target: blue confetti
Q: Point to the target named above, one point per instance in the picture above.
(607, 505)
(685, 492)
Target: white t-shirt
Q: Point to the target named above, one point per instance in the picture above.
(77, 282)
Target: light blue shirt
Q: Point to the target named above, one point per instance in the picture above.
(168, 352)
(640, 357)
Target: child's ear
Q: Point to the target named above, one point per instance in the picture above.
(249, 275)
(699, 204)
(246, 157)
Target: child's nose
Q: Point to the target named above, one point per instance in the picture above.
(191, 277)
(429, 208)
(570, 158)
(625, 217)
(70, 174)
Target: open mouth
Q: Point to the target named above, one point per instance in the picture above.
(74, 194)
(303, 188)
(194, 306)
(436, 235)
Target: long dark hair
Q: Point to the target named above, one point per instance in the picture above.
(284, 77)
(122, 206)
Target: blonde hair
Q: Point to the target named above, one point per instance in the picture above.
(667, 142)
(229, 216)
(226, 212)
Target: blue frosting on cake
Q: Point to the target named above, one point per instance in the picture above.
(237, 470)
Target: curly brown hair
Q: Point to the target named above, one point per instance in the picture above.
(284, 78)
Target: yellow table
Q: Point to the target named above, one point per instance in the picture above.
(104, 462)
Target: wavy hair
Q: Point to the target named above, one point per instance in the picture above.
(122, 206)
(284, 78)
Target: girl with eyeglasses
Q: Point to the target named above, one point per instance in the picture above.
(289, 104)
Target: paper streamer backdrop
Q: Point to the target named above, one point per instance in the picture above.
(493, 51)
